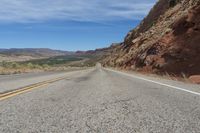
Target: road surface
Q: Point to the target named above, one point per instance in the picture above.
(103, 101)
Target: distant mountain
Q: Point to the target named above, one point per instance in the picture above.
(25, 54)
(166, 41)
(34, 52)
(100, 51)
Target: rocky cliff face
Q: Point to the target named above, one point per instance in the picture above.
(166, 41)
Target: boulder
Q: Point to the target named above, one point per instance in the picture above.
(195, 79)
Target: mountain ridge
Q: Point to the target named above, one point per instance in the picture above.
(45, 52)
(25, 54)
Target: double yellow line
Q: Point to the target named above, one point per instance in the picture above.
(12, 93)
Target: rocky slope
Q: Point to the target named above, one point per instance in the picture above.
(166, 41)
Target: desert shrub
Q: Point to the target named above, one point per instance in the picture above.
(37, 66)
(15, 65)
(30, 65)
(3, 64)
(45, 66)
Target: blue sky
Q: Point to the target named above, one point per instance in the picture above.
(68, 25)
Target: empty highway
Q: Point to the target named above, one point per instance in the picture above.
(98, 100)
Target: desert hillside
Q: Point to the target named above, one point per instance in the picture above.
(166, 41)
(25, 54)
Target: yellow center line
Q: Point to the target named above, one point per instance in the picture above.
(20, 92)
(28, 88)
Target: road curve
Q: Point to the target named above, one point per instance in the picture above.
(99, 100)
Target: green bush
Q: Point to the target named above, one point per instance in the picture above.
(15, 65)
(45, 66)
(30, 65)
(3, 64)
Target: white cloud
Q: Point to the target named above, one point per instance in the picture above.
(78, 10)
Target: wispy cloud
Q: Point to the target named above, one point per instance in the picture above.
(77, 10)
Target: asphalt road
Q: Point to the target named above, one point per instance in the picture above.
(11, 82)
(104, 101)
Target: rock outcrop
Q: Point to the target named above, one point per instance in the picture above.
(195, 79)
(166, 41)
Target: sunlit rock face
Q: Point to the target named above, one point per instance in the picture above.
(166, 41)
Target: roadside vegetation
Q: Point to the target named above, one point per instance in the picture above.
(58, 63)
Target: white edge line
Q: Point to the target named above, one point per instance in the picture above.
(170, 86)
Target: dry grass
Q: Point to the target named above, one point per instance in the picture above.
(7, 68)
